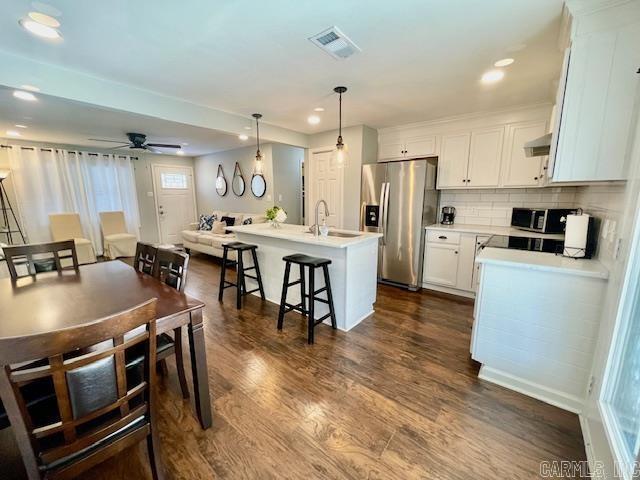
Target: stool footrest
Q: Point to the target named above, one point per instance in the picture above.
(321, 319)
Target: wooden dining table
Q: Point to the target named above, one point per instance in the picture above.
(56, 301)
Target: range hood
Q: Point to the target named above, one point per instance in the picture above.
(538, 147)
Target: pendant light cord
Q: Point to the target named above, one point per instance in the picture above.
(258, 133)
(340, 115)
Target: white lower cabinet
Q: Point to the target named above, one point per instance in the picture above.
(449, 261)
(441, 264)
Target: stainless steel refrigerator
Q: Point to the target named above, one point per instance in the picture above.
(399, 199)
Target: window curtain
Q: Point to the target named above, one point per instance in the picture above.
(56, 181)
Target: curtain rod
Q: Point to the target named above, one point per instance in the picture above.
(70, 151)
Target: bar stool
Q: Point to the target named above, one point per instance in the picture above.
(241, 285)
(311, 263)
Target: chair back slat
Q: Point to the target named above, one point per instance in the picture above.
(145, 258)
(50, 257)
(88, 369)
(171, 268)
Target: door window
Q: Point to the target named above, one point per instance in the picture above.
(173, 181)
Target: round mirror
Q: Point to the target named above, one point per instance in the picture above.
(237, 183)
(258, 185)
(221, 182)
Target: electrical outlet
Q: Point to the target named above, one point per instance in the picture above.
(279, 197)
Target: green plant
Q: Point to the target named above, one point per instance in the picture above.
(272, 212)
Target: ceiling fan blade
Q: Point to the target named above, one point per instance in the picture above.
(104, 140)
(163, 145)
(119, 146)
(150, 149)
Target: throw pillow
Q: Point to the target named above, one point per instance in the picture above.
(230, 221)
(205, 222)
(248, 221)
(218, 227)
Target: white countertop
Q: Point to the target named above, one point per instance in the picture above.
(543, 261)
(492, 230)
(300, 233)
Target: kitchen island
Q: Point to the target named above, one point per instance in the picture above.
(353, 269)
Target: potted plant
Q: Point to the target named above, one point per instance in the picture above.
(276, 215)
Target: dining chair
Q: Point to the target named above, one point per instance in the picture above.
(170, 267)
(117, 241)
(67, 226)
(98, 411)
(144, 258)
(41, 257)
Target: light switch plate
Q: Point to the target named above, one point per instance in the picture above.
(605, 229)
(150, 194)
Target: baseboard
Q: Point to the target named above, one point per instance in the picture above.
(452, 291)
(531, 389)
(596, 473)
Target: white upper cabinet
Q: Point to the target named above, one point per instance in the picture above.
(485, 157)
(597, 110)
(519, 170)
(453, 160)
(399, 148)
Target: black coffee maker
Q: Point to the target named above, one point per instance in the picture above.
(448, 215)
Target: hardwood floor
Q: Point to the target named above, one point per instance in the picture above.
(397, 397)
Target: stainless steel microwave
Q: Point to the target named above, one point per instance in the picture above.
(550, 220)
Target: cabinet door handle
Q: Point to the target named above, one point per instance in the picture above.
(442, 237)
(464, 180)
(468, 180)
(456, 252)
(535, 178)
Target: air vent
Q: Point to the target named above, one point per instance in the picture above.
(335, 43)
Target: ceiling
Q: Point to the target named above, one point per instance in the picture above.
(65, 122)
(420, 59)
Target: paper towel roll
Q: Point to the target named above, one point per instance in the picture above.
(575, 237)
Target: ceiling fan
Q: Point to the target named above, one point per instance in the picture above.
(138, 141)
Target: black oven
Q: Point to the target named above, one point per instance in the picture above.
(550, 220)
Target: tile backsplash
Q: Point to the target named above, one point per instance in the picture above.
(493, 206)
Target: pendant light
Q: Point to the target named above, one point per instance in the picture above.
(340, 155)
(258, 165)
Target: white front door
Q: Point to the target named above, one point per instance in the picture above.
(175, 201)
(325, 184)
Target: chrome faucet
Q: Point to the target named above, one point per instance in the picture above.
(316, 227)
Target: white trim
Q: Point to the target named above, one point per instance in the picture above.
(588, 448)
(531, 389)
(155, 192)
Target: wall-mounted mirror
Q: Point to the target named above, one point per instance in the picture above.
(237, 182)
(258, 185)
(221, 182)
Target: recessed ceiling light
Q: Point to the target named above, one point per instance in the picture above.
(22, 95)
(313, 119)
(492, 76)
(13, 133)
(247, 128)
(31, 88)
(39, 29)
(243, 137)
(318, 109)
(505, 62)
(180, 152)
(17, 125)
(44, 19)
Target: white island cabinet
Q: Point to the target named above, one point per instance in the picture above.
(536, 323)
(353, 270)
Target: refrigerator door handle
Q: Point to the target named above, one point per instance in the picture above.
(385, 216)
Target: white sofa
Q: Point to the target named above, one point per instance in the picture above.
(210, 243)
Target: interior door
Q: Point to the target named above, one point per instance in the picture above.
(453, 161)
(485, 157)
(326, 184)
(175, 201)
(403, 232)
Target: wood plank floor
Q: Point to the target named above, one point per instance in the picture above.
(397, 397)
